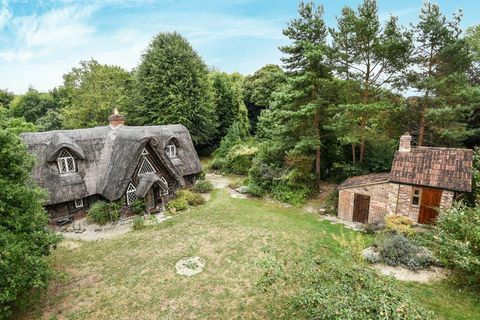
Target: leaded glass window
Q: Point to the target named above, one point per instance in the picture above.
(164, 190)
(66, 163)
(146, 167)
(130, 195)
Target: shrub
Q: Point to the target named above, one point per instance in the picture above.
(399, 224)
(177, 204)
(138, 206)
(203, 186)
(138, 223)
(342, 289)
(396, 250)
(102, 212)
(193, 198)
(293, 195)
(458, 240)
(331, 203)
(239, 159)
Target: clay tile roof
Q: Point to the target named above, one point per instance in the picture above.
(367, 179)
(444, 168)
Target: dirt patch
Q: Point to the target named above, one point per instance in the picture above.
(348, 224)
(189, 266)
(218, 181)
(91, 235)
(404, 274)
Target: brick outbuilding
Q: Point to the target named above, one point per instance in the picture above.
(422, 181)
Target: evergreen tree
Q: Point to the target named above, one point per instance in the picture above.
(173, 87)
(90, 93)
(5, 98)
(372, 54)
(228, 100)
(442, 59)
(295, 121)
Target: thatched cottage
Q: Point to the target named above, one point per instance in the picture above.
(422, 180)
(79, 167)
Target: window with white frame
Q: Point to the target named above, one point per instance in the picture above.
(164, 189)
(171, 150)
(144, 152)
(416, 195)
(146, 167)
(130, 194)
(78, 203)
(66, 163)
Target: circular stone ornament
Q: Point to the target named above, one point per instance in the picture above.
(189, 266)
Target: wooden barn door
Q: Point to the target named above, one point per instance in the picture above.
(361, 205)
(429, 205)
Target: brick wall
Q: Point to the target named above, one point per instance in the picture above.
(447, 199)
(400, 201)
(378, 201)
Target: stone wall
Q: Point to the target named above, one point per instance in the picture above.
(447, 199)
(378, 201)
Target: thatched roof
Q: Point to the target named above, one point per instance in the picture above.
(444, 168)
(106, 158)
(364, 180)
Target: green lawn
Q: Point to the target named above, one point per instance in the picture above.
(133, 276)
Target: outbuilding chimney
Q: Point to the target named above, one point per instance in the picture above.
(116, 119)
(405, 141)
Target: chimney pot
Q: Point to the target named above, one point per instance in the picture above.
(405, 142)
(116, 119)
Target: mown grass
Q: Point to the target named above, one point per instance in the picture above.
(133, 276)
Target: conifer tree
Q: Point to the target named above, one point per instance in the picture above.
(441, 61)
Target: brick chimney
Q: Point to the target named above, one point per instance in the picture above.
(116, 119)
(405, 141)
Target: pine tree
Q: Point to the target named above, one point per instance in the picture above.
(372, 54)
(442, 59)
(299, 108)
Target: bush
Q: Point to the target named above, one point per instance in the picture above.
(177, 204)
(399, 224)
(234, 185)
(203, 186)
(458, 240)
(102, 212)
(138, 206)
(193, 198)
(331, 203)
(293, 195)
(138, 223)
(342, 289)
(396, 250)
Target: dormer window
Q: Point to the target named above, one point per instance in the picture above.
(171, 151)
(66, 162)
(144, 152)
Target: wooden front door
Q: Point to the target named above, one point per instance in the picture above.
(429, 205)
(361, 206)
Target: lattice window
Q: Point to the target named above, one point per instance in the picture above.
(130, 195)
(144, 152)
(78, 203)
(164, 190)
(146, 167)
(171, 151)
(66, 163)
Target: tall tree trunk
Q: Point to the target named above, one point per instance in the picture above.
(318, 153)
(421, 127)
(354, 156)
(365, 99)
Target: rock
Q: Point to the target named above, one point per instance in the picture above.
(370, 255)
(242, 189)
